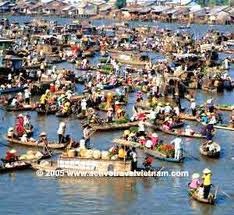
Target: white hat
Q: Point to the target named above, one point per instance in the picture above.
(47, 91)
(12, 151)
(43, 134)
(20, 115)
(206, 171)
(117, 102)
(25, 135)
(10, 129)
(19, 94)
(195, 175)
(62, 124)
(154, 135)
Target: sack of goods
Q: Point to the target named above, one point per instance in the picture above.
(89, 154)
(83, 153)
(71, 153)
(96, 154)
(114, 157)
(105, 155)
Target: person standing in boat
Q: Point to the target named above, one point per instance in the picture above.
(133, 156)
(178, 147)
(86, 135)
(61, 132)
(27, 96)
(206, 182)
(193, 107)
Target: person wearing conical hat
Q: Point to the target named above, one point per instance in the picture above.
(196, 182)
(206, 182)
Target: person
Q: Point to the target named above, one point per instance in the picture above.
(133, 156)
(188, 130)
(148, 162)
(61, 131)
(141, 129)
(195, 183)
(14, 102)
(206, 182)
(209, 131)
(43, 102)
(83, 106)
(110, 115)
(82, 143)
(11, 156)
(10, 132)
(24, 138)
(43, 138)
(86, 134)
(121, 153)
(178, 147)
(193, 107)
(149, 144)
(27, 95)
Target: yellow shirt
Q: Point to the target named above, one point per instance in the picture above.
(206, 179)
(43, 99)
(122, 153)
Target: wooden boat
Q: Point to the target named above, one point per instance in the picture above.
(181, 133)
(62, 115)
(224, 127)
(46, 112)
(12, 90)
(186, 116)
(113, 126)
(211, 199)
(14, 166)
(67, 165)
(225, 107)
(210, 154)
(161, 156)
(34, 144)
(154, 153)
(23, 107)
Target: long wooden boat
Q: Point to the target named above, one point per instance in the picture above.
(46, 112)
(24, 107)
(225, 107)
(211, 199)
(187, 116)
(12, 90)
(181, 133)
(67, 165)
(211, 154)
(224, 127)
(154, 153)
(14, 166)
(113, 126)
(34, 144)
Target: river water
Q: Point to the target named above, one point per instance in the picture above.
(25, 193)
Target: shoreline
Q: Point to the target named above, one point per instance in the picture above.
(116, 19)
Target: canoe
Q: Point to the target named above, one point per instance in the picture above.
(225, 108)
(158, 155)
(210, 154)
(62, 115)
(12, 90)
(181, 133)
(113, 126)
(20, 108)
(14, 166)
(154, 153)
(210, 200)
(47, 112)
(224, 127)
(34, 144)
(186, 116)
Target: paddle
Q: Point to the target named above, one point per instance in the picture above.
(225, 194)
(192, 156)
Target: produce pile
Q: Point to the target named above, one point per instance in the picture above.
(31, 155)
(167, 149)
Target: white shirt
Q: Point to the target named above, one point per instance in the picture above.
(83, 105)
(177, 142)
(82, 144)
(148, 144)
(141, 126)
(167, 109)
(193, 105)
(61, 130)
(27, 94)
(14, 101)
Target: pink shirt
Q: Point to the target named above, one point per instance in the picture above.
(195, 184)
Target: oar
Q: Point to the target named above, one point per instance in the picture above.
(192, 156)
(226, 194)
